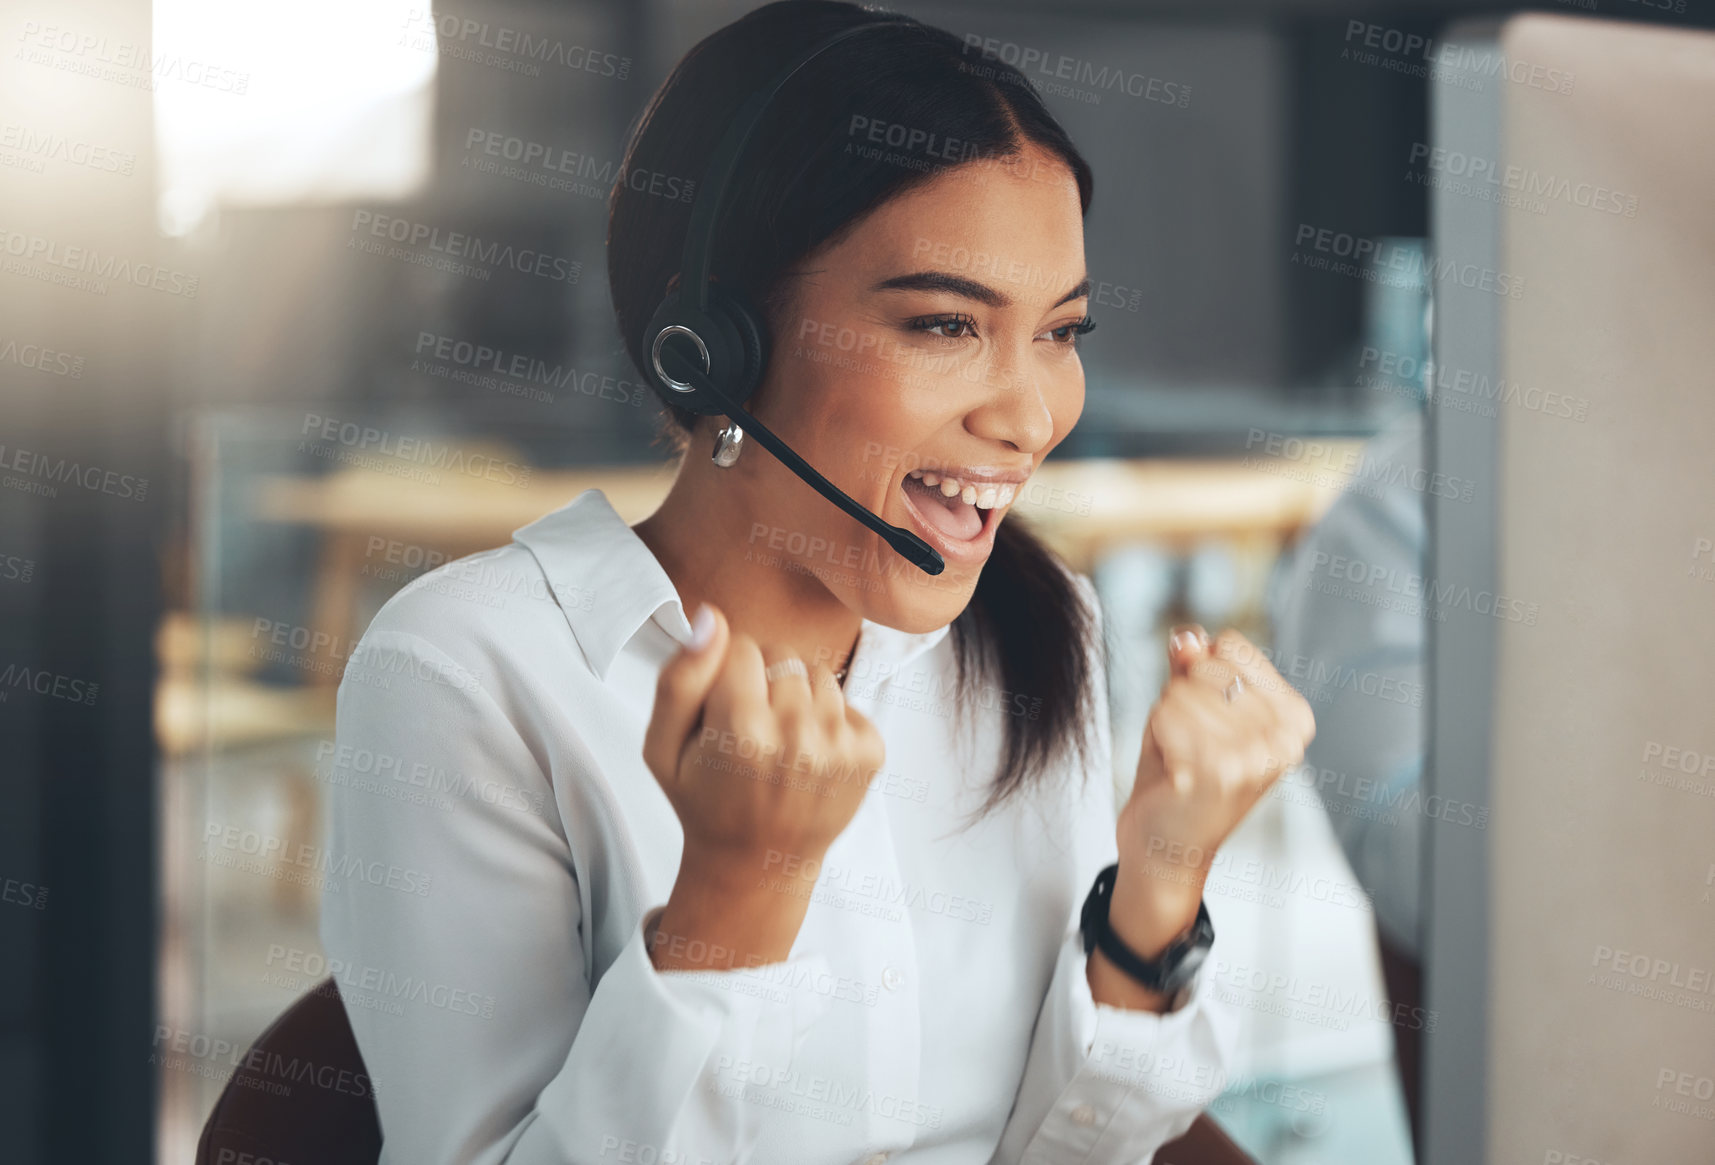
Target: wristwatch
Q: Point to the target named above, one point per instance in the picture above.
(1168, 973)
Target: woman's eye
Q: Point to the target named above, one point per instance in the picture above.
(950, 327)
(1069, 333)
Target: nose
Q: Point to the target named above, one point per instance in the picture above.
(1014, 409)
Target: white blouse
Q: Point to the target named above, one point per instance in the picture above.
(933, 1010)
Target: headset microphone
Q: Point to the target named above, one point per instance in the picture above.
(729, 337)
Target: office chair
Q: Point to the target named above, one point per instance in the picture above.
(329, 1124)
(265, 1113)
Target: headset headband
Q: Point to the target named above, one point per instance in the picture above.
(711, 195)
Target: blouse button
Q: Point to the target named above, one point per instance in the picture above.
(891, 979)
(1083, 1115)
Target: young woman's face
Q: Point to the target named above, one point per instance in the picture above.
(925, 364)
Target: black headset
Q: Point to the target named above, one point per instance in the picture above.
(727, 336)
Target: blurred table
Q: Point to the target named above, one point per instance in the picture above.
(1081, 508)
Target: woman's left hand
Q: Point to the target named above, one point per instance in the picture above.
(1225, 728)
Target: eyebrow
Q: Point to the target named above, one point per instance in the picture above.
(967, 288)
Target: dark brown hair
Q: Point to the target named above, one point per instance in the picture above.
(802, 182)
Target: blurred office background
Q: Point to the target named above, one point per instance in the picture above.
(246, 164)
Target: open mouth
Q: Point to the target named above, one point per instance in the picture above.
(955, 509)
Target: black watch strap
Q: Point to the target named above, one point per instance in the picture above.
(1168, 972)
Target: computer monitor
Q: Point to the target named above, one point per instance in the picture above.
(1570, 944)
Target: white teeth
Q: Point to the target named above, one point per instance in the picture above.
(984, 497)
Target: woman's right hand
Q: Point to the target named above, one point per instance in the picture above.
(763, 775)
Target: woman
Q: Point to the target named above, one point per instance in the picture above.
(738, 838)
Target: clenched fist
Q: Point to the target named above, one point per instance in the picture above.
(1224, 729)
(758, 755)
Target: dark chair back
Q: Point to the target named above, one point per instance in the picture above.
(1204, 1143)
(302, 1094)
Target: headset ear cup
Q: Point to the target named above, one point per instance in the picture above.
(718, 340)
(750, 339)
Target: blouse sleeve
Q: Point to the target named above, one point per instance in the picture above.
(1107, 1085)
(464, 976)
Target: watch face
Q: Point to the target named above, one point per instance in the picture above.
(1189, 958)
(1190, 964)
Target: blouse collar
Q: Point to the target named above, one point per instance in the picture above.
(609, 584)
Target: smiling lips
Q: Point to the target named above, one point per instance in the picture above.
(956, 509)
